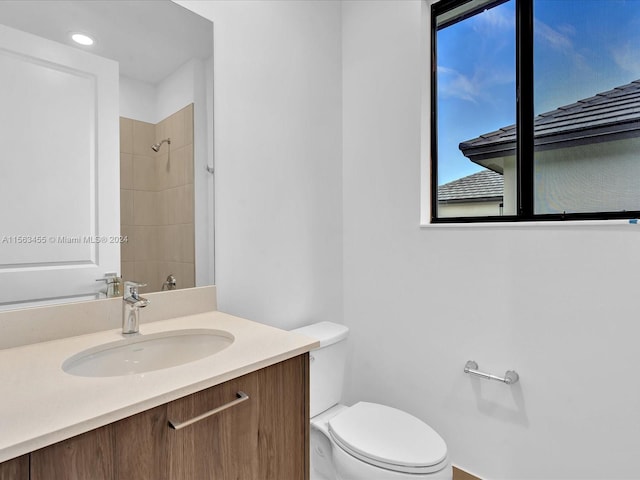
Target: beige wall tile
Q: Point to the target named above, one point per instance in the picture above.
(163, 272)
(126, 135)
(188, 124)
(171, 172)
(162, 164)
(145, 173)
(170, 205)
(187, 243)
(164, 246)
(179, 170)
(128, 270)
(126, 171)
(187, 208)
(147, 272)
(157, 211)
(126, 207)
(144, 135)
(147, 208)
(170, 243)
(127, 249)
(146, 243)
(189, 273)
(177, 129)
(188, 164)
(178, 205)
(167, 208)
(162, 132)
(164, 167)
(177, 244)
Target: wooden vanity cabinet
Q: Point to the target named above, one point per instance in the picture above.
(265, 437)
(15, 469)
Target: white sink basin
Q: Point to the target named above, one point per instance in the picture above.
(145, 353)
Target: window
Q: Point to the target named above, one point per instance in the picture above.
(568, 148)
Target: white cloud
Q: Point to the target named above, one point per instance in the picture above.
(452, 83)
(627, 57)
(560, 40)
(553, 38)
(567, 29)
(494, 20)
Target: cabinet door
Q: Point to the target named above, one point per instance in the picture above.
(221, 446)
(284, 420)
(87, 456)
(140, 450)
(15, 469)
(132, 449)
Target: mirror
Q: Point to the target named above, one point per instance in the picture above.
(162, 198)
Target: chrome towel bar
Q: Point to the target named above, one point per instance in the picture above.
(241, 397)
(509, 378)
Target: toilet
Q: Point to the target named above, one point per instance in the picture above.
(366, 441)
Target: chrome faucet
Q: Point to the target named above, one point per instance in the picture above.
(170, 283)
(131, 305)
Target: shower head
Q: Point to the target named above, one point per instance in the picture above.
(156, 146)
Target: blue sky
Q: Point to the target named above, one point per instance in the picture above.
(582, 47)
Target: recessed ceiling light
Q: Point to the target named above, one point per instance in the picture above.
(82, 39)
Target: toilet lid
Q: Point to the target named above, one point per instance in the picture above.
(388, 438)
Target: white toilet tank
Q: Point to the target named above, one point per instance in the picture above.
(326, 364)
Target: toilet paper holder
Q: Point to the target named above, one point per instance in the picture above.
(510, 377)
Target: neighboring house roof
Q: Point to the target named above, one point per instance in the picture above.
(615, 113)
(486, 185)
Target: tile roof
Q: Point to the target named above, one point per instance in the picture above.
(614, 112)
(484, 185)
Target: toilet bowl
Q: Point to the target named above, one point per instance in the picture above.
(367, 441)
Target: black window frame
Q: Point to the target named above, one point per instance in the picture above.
(524, 121)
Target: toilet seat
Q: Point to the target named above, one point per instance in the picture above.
(388, 438)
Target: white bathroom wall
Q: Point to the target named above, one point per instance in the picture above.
(555, 303)
(153, 103)
(138, 100)
(179, 89)
(277, 114)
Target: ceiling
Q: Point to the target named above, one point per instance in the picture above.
(149, 38)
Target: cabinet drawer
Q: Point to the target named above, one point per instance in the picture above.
(222, 445)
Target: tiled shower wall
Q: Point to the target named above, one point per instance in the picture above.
(157, 201)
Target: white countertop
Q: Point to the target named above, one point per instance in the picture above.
(40, 404)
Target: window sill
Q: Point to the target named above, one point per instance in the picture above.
(568, 224)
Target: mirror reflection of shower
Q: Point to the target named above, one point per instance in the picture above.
(156, 146)
(157, 201)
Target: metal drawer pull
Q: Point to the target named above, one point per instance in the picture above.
(510, 377)
(178, 425)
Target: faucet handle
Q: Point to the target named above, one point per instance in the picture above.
(131, 288)
(113, 282)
